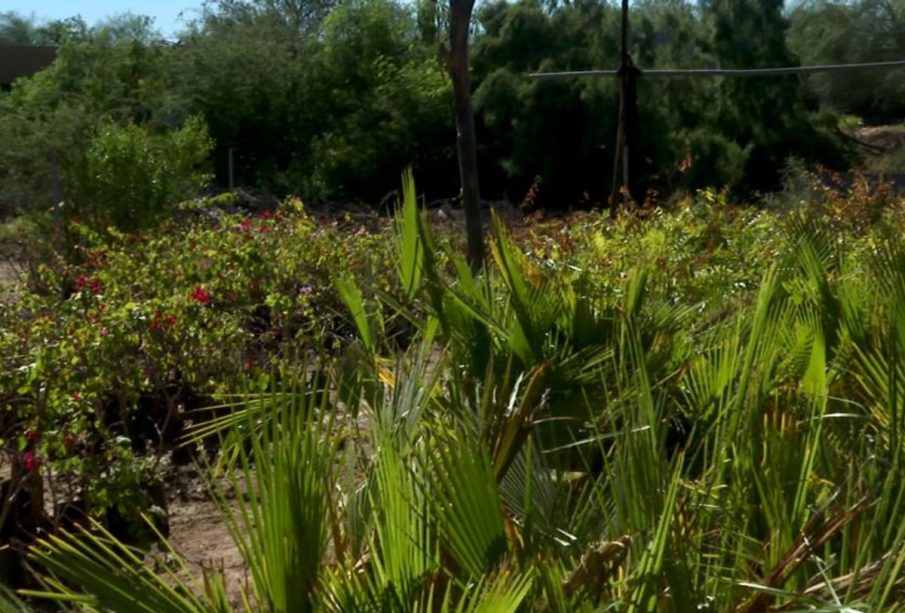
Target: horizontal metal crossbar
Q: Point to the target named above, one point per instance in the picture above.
(723, 72)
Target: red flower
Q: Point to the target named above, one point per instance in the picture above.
(246, 224)
(199, 294)
(95, 285)
(80, 282)
(159, 321)
(30, 460)
(31, 436)
(76, 397)
(155, 323)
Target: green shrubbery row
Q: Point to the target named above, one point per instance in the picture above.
(697, 409)
(330, 103)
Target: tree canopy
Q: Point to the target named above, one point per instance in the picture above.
(332, 98)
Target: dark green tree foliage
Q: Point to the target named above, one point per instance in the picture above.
(389, 103)
(767, 116)
(561, 131)
(836, 32)
(332, 105)
(331, 98)
(16, 29)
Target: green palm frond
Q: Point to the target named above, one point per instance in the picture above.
(466, 503)
(282, 512)
(111, 576)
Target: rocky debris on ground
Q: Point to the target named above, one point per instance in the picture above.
(887, 138)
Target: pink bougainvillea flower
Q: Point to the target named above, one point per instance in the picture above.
(29, 460)
(199, 294)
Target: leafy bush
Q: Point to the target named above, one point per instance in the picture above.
(133, 179)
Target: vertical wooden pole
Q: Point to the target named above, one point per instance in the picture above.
(626, 162)
(232, 184)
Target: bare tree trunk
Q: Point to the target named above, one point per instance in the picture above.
(457, 65)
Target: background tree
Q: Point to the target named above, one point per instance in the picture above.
(752, 34)
(835, 32)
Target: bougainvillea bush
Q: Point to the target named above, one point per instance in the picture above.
(109, 352)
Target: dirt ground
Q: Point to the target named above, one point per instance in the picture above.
(198, 532)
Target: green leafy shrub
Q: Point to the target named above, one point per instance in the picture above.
(132, 178)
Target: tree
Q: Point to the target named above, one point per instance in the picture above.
(770, 116)
(16, 29)
(456, 56)
(837, 32)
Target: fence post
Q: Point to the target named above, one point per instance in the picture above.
(232, 183)
(627, 158)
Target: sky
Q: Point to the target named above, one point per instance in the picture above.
(165, 12)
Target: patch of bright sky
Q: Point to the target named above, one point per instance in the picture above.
(170, 16)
